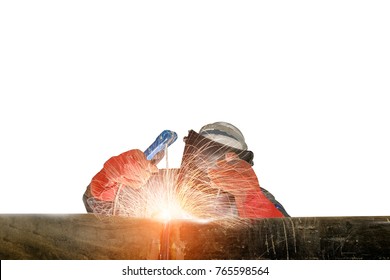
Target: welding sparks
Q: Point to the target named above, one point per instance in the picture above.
(164, 198)
(184, 193)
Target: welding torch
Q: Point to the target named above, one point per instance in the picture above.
(156, 151)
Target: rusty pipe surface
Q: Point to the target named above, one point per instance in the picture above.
(84, 236)
(78, 237)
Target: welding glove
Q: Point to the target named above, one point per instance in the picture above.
(237, 177)
(130, 168)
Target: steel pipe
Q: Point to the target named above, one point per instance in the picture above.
(86, 236)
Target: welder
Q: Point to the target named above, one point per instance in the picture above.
(219, 157)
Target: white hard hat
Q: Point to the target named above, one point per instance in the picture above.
(224, 133)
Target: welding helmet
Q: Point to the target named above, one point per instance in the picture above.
(225, 134)
(212, 143)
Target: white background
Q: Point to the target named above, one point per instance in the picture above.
(281, 269)
(307, 83)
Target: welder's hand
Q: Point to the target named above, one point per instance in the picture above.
(130, 168)
(237, 177)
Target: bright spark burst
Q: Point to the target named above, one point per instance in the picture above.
(171, 194)
(164, 198)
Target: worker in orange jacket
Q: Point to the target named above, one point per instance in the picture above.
(217, 156)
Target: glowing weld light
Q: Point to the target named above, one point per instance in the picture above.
(164, 215)
(174, 211)
(171, 212)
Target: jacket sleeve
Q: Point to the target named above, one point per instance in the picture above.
(236, 176)
(254, 204)
(276, 203)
